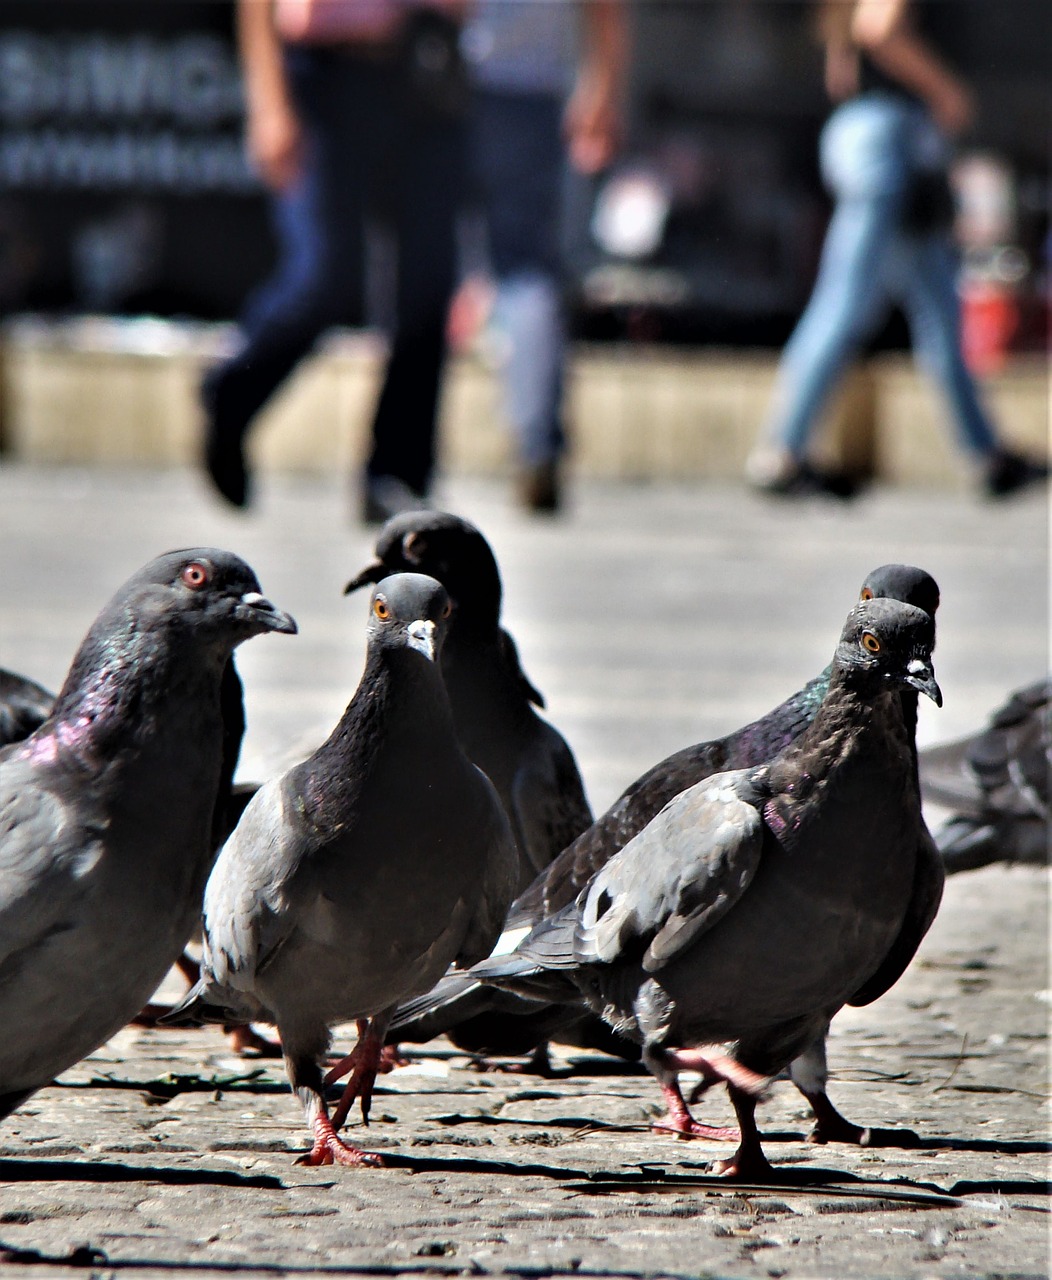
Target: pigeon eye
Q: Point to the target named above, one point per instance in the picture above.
(447, 609)
(381, 609)
(867, 593)
(870, 642)
(413, 547)
(195, 576)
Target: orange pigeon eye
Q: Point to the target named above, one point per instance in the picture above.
(867, 593)
(380, 608)
(195, 576)
(870, 642)
(447, 610)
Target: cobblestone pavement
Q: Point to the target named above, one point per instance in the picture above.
(651, 617)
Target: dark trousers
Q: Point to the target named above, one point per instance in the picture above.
(372, 152)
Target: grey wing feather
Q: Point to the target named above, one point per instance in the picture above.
(929, 876)
(674, 880)
(38, 866)
(250, 899)
(500, 876)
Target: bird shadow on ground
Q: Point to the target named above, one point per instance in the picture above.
(106, 1171)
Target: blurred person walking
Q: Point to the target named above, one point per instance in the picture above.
(356, 110)
(531, 108)
(884, 154)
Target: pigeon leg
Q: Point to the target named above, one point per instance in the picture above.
(748, 1164)
(810, 1074)
(363, 1062)
(678, 1119)
(663, 1064)
(305, 1078)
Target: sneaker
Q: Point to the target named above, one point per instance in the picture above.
(799, 479)
(538, 488)
(1008, 472)
(387, 496)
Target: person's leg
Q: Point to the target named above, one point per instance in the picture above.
(317, 282)
(518, 159)
(864, 163)
(424, 180)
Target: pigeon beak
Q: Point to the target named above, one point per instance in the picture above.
(260, 611)
(422, 638)
(372, 573)
(920, 676)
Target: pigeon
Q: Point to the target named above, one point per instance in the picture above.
(24, 706)
(356, 878)
(758, 902)
(511, 1020)
(107, 811)
(523, 755)
(998, 785)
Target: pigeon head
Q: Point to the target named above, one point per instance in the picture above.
(902, 582)
(444, 547)
(888, 644)
(409, 611)
(203, 593)
(204, 588)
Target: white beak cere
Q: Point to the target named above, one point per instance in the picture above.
(422, 638)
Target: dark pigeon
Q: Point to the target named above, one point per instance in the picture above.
(24, 706)
(353, 881)
(728, 932)
(457, 999)
(107, 812)
(998, 785)
(525, 757)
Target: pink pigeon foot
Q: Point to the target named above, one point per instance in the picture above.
(330, 1149)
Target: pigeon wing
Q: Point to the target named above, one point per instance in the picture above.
(548, 798)
(41, 856)
(676, 879)
(498, 881)
(928, 878)
(250, 902)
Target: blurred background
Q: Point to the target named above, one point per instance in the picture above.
(125, 193)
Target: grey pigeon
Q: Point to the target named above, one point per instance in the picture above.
(107, 812)
(514, 1023)
(997, 784)
(728, 932)
(356, 878)
(523, 755)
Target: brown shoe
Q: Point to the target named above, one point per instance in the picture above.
(538, 488)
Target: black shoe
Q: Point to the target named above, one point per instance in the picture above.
(387, 496)
(1007, 473)
(224, 461)
(802, 480)
(538, 488)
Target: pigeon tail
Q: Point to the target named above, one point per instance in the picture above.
(195, 1011)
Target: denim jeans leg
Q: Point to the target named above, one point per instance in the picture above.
(927, 269)
(529, 315)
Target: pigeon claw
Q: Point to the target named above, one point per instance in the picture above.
(746, 1165)
(363, 1062)
(688, 1127)
(330, 1149)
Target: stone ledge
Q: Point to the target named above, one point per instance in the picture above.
(106, 391)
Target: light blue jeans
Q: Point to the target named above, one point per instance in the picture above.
(870, 147)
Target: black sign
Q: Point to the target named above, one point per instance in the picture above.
(123, 180)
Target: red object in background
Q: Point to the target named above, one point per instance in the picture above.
(989, 322)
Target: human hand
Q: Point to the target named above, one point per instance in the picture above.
(592, 123)
(275, 145)
(953, 107)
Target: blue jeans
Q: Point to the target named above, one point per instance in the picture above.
(870, 148)
(370, 153)
(518, 165)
